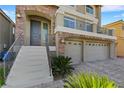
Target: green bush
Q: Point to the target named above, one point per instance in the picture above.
(89, 80)
(61, 66)
(1, 77)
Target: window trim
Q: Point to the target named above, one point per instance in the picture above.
(92, 8)
(70, 19)
(122, 27)
(87, 23)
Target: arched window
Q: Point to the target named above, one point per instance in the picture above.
(89, 9)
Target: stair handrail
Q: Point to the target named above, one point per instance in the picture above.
(48, 55)
(5, 56)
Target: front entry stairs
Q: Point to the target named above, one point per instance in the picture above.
(30, 68)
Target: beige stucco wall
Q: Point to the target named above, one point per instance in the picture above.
(75, 13)
(6, 33)
(80, 8)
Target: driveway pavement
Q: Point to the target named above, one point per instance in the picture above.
(113, 68)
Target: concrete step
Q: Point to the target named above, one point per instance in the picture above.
(30, 68)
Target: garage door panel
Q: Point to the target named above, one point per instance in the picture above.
(96, 51)
(73, 49)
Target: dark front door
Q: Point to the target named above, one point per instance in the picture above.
(35, 35)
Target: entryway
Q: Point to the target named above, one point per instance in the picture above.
(38, 32)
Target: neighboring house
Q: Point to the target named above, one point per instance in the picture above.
(118, 28)
(6, 31)
(75, 29)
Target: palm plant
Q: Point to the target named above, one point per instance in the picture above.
(89, 80)
(61, 65)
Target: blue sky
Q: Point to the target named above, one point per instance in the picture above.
(110, 13)
(9, 10)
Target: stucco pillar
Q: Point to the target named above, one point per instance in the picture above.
(113, 50)
(84, 49)
(95, 28)
(60, 19)
(60, 45)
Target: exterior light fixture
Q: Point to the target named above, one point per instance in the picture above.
(62, 41)
(18, 15)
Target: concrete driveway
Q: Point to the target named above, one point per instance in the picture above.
(113, 68)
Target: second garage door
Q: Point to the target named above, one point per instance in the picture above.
(74, 50)
(96, 51)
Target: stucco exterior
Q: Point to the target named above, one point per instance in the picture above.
(6, 31)
(118, 28)
(54, 15)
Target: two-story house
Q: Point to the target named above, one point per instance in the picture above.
(70, 30)
(118, 28)
(6, 32)
(74, 27)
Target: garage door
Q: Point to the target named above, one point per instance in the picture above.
(73, 49)
(96, 51)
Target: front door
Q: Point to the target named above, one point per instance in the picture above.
(35, 35)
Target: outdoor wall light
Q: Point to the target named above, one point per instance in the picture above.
(62, 41)
(18, 15)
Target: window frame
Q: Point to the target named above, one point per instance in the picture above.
(122, 27)
(90, 7)
(87, 23)
(71, 20)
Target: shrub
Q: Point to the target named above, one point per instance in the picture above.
(89, 80)
(61, 66)
(1, 77)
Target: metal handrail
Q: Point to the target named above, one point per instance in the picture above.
(9, 50)
(48, 55)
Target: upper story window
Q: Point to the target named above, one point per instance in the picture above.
(123, 27)
(89, 27)
(89, 9)
(110, 32)
(80, 25)
(69, 22)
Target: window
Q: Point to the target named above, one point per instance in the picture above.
(45, 26)
(110, 32)
(89, 27)
(69, 22)
(80, 25)
(89, 9)
(123, 27)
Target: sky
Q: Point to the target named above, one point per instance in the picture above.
(110, 13)
(9, 10)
